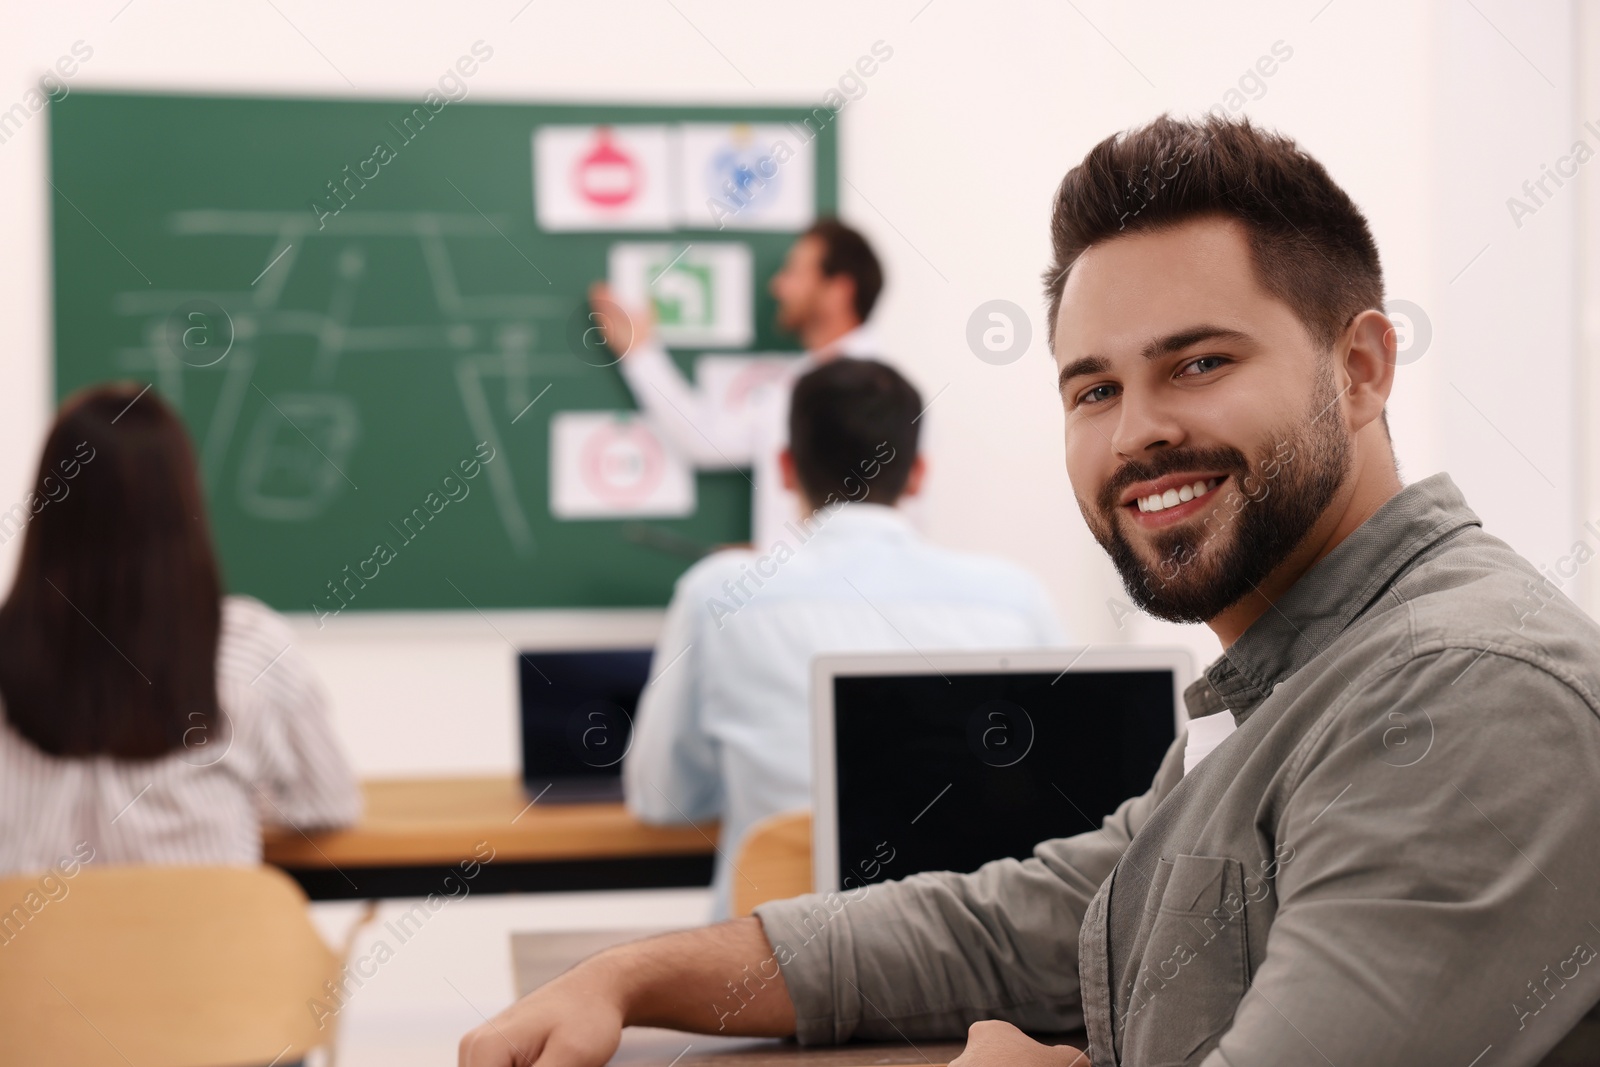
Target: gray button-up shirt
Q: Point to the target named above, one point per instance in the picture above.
(1395, 858)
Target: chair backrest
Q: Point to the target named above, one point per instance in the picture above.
(774, 861)
(180, 966)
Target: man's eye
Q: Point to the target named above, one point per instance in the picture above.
(1089, 395)
(1211, 363)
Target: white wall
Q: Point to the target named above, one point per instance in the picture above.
(1429, 113)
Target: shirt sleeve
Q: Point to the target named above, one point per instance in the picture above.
(705, 433)
(928, 956)
(299, 771)
(670, 772)
(1440, 885)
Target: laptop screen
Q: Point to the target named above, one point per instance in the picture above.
(948, 772)
(577, 715)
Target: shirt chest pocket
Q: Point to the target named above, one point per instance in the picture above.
(1194, 967)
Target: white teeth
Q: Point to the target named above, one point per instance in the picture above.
(1173, 497)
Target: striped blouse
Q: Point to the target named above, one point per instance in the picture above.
(275, 760)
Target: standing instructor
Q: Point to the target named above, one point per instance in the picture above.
(826, 289)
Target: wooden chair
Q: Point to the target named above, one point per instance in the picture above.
(177, 966)
(773, 861)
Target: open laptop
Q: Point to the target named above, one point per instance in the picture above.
(950, 760)
(577, 721)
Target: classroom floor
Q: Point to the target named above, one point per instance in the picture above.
(444, 972)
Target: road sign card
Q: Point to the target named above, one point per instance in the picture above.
(701, 291)
(602, 177)
(745, 176)
(612, 464)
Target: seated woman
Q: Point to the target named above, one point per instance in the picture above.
(144, 717)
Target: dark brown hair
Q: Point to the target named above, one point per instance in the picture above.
(1311, 245)
(853, 431)
(108, 641)
(845, 251)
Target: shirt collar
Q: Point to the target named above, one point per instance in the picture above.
(862, 519)
(1329, 597)
(859, 343)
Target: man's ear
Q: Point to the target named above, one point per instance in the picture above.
(1369, 355)
(791, 480)
(919, 471)
(843, 288)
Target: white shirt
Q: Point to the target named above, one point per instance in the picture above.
(714, 437)
(724, 726)
(276, 761)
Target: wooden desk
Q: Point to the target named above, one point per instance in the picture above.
(415, 831)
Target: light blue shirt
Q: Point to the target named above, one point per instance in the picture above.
(724, 726)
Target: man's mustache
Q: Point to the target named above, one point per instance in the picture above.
(1222, 459)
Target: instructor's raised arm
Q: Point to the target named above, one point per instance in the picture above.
(709, 435)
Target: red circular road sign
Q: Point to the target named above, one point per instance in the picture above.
(622, 463)
(607, 176)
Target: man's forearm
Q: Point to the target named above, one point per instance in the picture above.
(719, 979)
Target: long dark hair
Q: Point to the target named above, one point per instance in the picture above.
(108, 641)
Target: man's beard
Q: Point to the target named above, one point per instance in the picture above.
(793, 316)
(1294, 481)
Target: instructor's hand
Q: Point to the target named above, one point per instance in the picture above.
(572, 1021)
(622, 329)
(996, 1044)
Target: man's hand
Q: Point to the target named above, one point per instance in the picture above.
(572, 1021)
(621, 329)
(681, 981)
(996, 1044)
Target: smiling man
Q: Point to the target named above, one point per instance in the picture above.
(1376, 843)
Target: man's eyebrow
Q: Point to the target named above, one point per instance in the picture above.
(1079, 368)
(1161, 346)
(1177, 342)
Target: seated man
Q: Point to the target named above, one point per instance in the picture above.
(724, 727)
(1390, 860)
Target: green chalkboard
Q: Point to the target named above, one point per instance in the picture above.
(358, 356)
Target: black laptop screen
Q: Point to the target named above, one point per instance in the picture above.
(949, 772)
(577, 712)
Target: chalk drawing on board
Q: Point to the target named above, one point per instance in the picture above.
(293, 462)
(502, 484)
(428, 229)
(516, 342)
(156, 360)
(297, 228)
(225, 416)
(277, 267)
(350, 266)
(281, 475)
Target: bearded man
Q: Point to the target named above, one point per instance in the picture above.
(1376, 842)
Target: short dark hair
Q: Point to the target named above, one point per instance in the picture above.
(846, 251)
(853, 431)
(1311, 245)
(108, 641)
